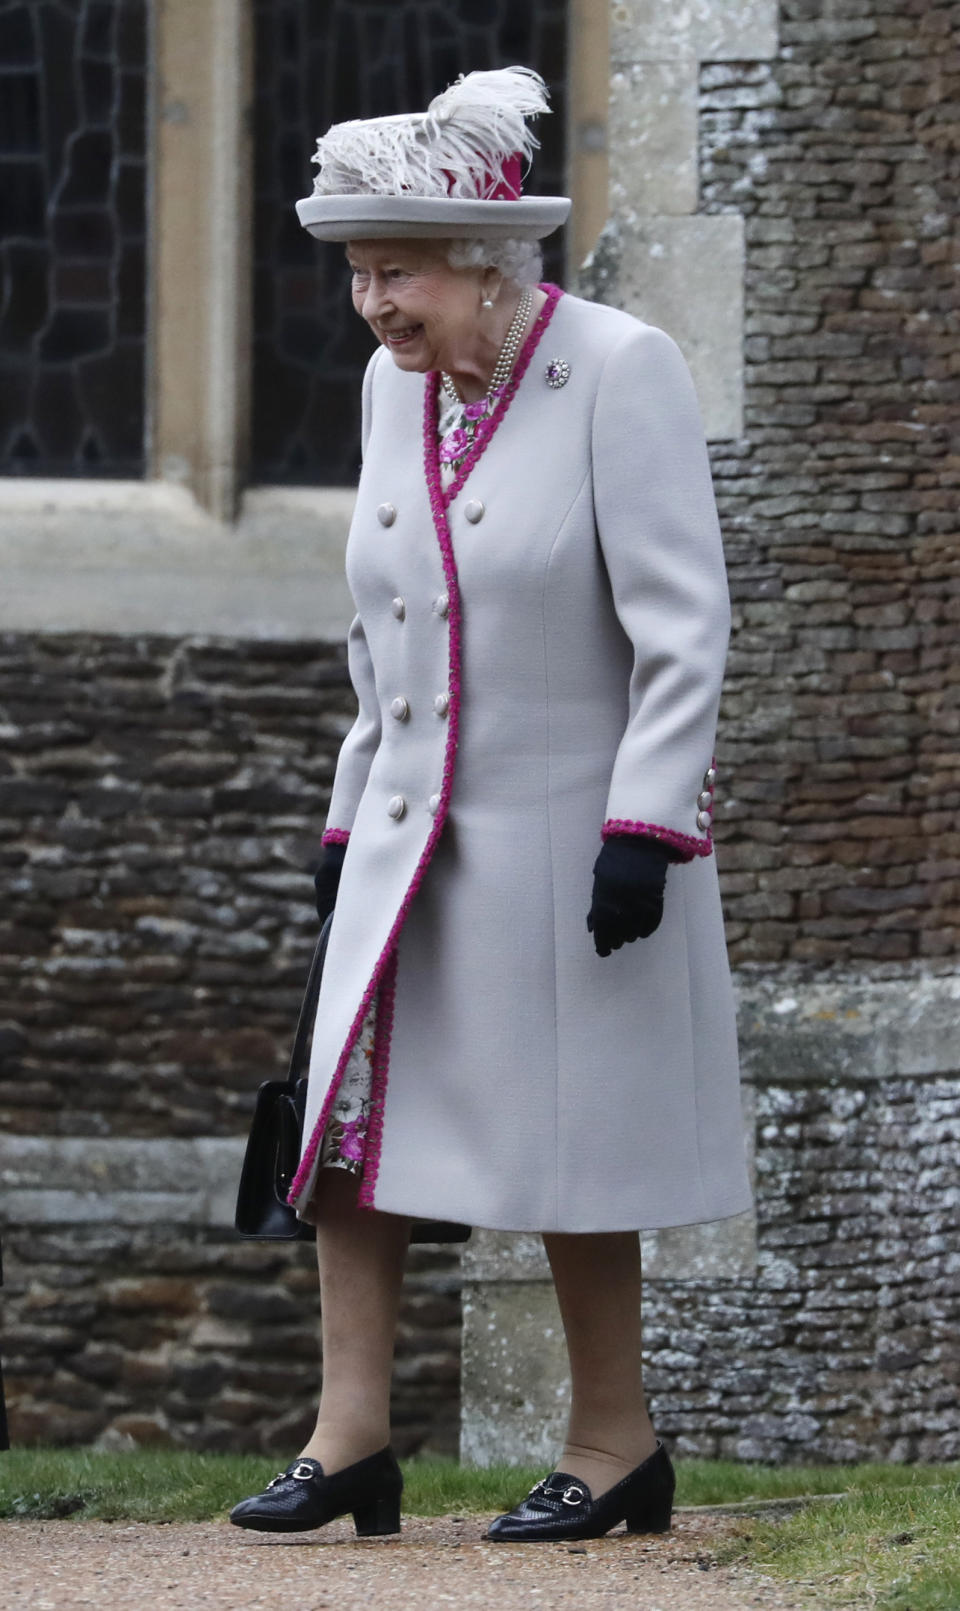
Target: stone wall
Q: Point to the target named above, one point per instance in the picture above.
(843, 1345)
(839, 506)
(839, 768)
(161, 801)
(182, 1335)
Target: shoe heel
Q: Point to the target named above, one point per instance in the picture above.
(378, 1516)
(650, 1516)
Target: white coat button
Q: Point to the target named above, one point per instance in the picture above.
(386, 514)
(399, 608)
(710, 776)
(433, 804)
(705, 800)
(396, 807)
(474, 511)
(400, 708)
(703, 819)
(442, 606)
(442, 704)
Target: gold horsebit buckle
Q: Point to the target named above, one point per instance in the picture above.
(301, 1472)
(573, 1495)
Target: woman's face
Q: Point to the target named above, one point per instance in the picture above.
(423, 311)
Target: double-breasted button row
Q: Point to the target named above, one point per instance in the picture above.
(474, 511)
(400, 706)
(440, 606)
(397, 806)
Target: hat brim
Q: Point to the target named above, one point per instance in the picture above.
(358, 218)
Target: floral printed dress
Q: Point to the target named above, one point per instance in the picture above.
(344, 1140)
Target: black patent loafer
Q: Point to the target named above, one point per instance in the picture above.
(303, 1496)
(561, 1506)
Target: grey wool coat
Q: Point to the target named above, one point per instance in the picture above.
(536, 664)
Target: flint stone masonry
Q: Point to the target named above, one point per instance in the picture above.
(838, 502)
(836, 1338)
(183, 1336)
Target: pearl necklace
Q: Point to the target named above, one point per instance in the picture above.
(459, 421)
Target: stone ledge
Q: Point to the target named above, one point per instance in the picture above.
(142, 556)
(848, 1028)
(712, 30)
(48, 1180)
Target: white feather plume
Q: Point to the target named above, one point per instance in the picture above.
(456, 148)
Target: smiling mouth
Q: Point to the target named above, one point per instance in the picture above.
(398, 338)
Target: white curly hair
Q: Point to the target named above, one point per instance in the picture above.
(519, 261)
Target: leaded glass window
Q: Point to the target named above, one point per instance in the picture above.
(72, 236)
(318, 63)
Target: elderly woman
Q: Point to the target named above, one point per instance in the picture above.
(542, 620)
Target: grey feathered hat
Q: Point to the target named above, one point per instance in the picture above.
(454, 170)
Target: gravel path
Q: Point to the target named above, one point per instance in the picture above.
(190, 1566)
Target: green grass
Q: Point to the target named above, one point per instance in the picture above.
(162, 1485)
(179, 1485)
(892, 1546)
(892, 1543)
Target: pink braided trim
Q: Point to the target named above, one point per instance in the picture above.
(378, 1084)
(439, 502)
(336, 836)
(487, 427)
(687, 844)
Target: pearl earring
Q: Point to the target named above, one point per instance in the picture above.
(487, 302)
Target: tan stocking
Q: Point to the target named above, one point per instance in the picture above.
(598, 1285)
(360, 1257)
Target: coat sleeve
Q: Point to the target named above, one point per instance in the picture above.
(360, 745)
(660, 537)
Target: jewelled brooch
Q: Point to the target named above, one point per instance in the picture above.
(557, 373)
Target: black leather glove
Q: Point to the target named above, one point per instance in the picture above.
(326, 879)
(628, 880)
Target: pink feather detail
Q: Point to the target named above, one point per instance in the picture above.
(439, 503)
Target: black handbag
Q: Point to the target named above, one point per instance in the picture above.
(274, 1143)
